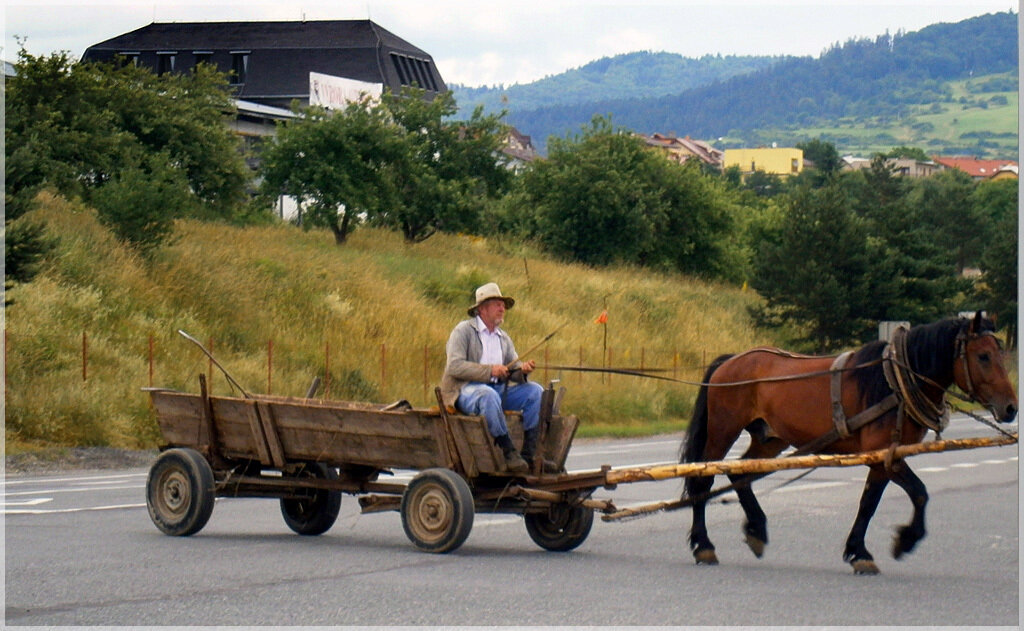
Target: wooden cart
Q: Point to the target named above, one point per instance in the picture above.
(309, 452)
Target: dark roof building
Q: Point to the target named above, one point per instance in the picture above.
(269, 62)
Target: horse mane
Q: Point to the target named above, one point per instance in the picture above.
(930, 352)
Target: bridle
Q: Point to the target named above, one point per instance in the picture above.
(963, 339)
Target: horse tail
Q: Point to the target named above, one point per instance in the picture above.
(692, 449)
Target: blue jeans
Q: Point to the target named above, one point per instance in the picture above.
(484, 399)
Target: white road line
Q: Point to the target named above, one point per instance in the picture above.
(6, 511)
(77, 479)
(81, 489)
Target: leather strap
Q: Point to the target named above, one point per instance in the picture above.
(838, 415)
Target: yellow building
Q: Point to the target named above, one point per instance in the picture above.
(773, 160)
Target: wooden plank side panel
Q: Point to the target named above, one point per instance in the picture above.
(559, 438)
(356, 436)
(179, 417)
(238, 430)
(265, 413)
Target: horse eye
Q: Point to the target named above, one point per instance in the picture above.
(984, 357)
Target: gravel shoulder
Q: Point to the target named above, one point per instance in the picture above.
(57, 460)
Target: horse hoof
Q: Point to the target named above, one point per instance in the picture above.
(756, 545)
(864, 567)
(705, 557)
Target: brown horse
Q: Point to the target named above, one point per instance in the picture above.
(782, 399)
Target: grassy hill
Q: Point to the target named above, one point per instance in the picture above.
(973, 120)
(279, 306)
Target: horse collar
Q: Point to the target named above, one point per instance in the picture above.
(905, 383)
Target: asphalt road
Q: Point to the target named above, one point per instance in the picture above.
(81, 550)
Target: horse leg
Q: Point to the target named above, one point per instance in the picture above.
(701, 546)
(856, 553)
(907, 536)
(755, 528)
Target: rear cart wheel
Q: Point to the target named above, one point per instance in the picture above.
(315, 513)
(179, 492)
(561, 528)
(437, 510)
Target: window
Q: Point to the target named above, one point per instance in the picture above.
(239, 66)
(795, 165)
(165, 62)
(414, 71)
(128, 59)
(202, 57)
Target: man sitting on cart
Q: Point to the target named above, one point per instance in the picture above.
(484, 376)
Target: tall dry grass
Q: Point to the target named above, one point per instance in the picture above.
(375, 313)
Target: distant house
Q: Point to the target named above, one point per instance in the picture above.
(905, 167)
(269, 63)
(682, 149)
(519, 149)
(979, 169)
(771, 160)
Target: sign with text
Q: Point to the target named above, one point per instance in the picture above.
(337, 92)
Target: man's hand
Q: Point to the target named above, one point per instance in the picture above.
(499, 372)
(528, 366)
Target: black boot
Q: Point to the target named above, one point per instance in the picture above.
(513, 462)
(530, 448)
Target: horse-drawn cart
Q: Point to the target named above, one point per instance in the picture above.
(308, 452)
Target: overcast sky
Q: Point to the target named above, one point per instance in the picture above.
(479, 42)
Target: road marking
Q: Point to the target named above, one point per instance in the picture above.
(77, 479)
(45, 511)
(32, 502)
(81, 489)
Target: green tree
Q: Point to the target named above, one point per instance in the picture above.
(26, 245)
(449, 168)
(602, 196)
(824, 157)
(924, 284)
(395, 162)
(997, 290)
(944, 203)
(78, 127)
(914, 153)
(337, 165)
(819, 270)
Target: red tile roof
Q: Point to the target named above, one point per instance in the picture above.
(974, 167)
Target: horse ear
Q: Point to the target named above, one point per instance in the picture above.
(976, 323)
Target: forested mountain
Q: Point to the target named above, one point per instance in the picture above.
(882, 77)
(627, 76)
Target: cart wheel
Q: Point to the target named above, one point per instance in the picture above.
(315, 513)
(561, 528)
(437, 510)
(179, 492)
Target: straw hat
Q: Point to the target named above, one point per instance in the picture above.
(485, 293)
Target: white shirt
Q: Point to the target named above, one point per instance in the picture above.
(491, 343)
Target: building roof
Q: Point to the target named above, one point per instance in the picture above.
(329, 34)
(686, 147)
(280, 55)
(979, 169)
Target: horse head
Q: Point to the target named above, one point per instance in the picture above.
(979, 370)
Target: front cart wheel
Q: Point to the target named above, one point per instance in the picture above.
(315, 513)
(180, 492)
(561, 528)
(437, 510)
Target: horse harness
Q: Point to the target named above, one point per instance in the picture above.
(907, 395)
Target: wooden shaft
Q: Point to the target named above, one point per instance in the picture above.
(764, 465)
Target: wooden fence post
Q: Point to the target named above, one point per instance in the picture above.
(270, 362)
(327, 370)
